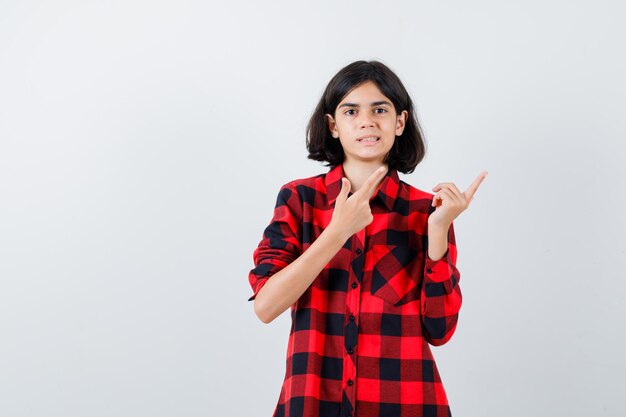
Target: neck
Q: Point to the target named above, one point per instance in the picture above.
(358, 172)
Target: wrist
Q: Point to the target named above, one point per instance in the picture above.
(335, 235)
(438, 228)
(437, 241)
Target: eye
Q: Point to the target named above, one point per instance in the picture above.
(346, 112)
(380, 108)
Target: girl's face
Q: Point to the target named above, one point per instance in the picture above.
(365, 113)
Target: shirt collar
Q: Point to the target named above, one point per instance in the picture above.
(387, 190)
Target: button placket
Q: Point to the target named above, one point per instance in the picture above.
(353, 299)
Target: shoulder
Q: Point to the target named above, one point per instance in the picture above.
(298, 190)
(301, 185)
(413, 193)
(413, 199)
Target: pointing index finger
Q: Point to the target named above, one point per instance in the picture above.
(373, 180)
(474, 185)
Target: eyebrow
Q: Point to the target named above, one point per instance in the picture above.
(372, 104)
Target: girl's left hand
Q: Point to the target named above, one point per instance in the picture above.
(451, 202)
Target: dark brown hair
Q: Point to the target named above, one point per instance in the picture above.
(408, 149)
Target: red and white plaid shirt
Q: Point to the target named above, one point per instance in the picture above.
(360, 337)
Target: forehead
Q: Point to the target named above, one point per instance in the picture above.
(365, 94)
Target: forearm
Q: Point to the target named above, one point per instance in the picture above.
(286, 286)
(441, 294)
(437, 241)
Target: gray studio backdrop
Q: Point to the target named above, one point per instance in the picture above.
(142, 145)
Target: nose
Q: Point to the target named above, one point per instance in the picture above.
(366, 120)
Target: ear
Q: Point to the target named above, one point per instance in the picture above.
(401, 122)
(332, 126)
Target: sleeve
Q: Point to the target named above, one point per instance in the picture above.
(281, 242)
(441, 295)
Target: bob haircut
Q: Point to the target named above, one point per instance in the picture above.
(408, 149)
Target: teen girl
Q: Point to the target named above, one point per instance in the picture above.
(365, 262)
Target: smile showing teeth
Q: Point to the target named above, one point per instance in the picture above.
(370, 139)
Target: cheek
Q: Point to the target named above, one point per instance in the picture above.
(390, 144)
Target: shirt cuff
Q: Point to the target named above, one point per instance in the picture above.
(260, 283)
(439, 270)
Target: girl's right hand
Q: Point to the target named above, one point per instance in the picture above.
(352, 214)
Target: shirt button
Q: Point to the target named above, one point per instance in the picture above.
(429, 270)
(350, 351)
(351, 317)
(358, 251)
(354, 285)
(350, 382)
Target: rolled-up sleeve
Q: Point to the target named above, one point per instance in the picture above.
(281, 243)
(441, 294)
